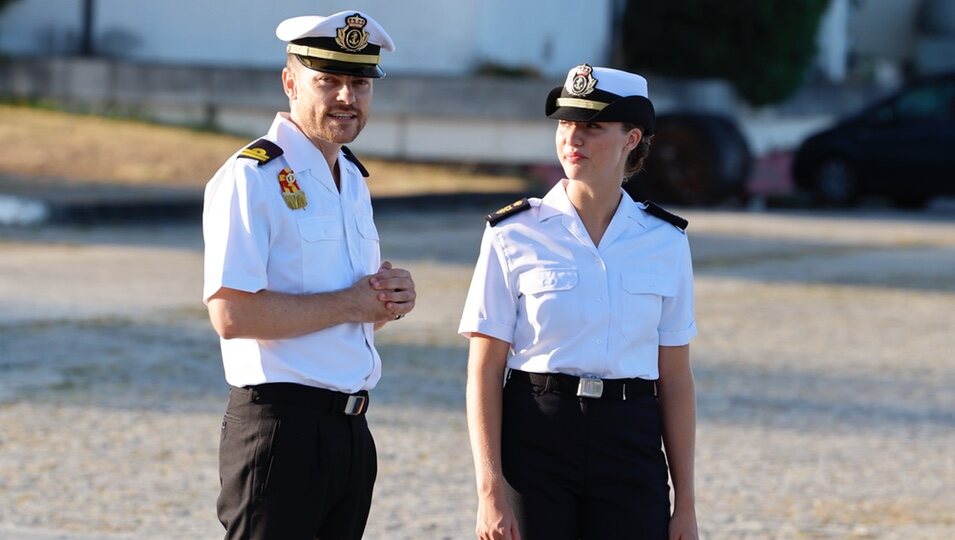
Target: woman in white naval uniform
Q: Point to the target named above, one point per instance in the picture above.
(582, 302)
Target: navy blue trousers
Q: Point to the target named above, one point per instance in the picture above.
(583, 468)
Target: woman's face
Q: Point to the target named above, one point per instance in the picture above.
(594, 151)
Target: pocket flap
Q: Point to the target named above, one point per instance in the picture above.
(320, 228)
(538, 281)
(366, 226)
(648, 283)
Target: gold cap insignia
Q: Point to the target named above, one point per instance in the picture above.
(353, 36)
(580, 81)
(293, 195)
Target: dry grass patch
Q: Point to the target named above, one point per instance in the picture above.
(42, 143)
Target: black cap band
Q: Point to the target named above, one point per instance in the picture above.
(601, 106)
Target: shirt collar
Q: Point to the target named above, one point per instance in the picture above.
(634, 210)
(556, 203)
(299, 152)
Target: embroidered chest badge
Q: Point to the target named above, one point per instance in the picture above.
(293, 195)
(581, 81)
(353, 36)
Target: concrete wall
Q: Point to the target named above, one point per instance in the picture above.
(473, 119)
(414, 118)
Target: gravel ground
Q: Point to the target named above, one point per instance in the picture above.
(825, 372)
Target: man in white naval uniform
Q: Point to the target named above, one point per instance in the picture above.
(296, 288)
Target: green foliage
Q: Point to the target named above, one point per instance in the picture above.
(762, 47)
(4, 3)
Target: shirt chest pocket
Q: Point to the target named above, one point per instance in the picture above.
(322, 242)
(642, 304)
(319, 229)
(551, 299)
(369, 246)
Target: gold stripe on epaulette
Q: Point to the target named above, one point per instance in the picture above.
(255, 153)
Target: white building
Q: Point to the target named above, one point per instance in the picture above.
(433, 37)
(429, 108)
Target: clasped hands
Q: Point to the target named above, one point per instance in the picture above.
(387, 295)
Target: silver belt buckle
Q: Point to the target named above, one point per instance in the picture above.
(590, 386)
(355, 405)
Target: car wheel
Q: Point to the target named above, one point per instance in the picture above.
(835, 182)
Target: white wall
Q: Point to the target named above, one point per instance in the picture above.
(549, 36)
(884, 29)
(447, 37)
(29, 26)
(832, 40)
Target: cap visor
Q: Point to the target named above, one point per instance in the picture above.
(342, 68)
(574, 114)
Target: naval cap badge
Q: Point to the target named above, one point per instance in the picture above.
(581, 81)
(352, 37)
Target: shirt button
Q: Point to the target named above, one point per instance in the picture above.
(600, 300)
(599, 341)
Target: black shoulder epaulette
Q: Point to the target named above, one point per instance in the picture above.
(515, 207)
(656, 210)
(351, 157)
(262, 150)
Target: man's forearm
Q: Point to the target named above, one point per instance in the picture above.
(272, 315)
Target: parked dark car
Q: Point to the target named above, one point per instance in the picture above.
(901, 147)
(697, 159)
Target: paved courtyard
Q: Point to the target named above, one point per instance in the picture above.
(825, 368)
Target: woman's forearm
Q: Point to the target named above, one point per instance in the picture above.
(677, 395)
(486, 361)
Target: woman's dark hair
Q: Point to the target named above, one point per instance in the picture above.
(638, 155)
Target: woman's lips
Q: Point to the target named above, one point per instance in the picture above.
(574, 157)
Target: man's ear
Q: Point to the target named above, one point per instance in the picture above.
(288, 82)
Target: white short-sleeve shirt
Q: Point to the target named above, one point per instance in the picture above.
(255, 241)
(568, 306)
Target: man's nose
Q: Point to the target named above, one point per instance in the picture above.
(346, 94)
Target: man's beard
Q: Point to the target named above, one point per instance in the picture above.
(326, 129)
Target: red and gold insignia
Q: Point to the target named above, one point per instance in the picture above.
(581, 81)
(353, 36)
(293, 195)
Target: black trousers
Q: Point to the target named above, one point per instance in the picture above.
(583, 468)
(293, 466)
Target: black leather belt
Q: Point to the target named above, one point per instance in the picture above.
(310, 396)
(590, 387)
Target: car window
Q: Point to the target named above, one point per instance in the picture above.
(931, 102)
